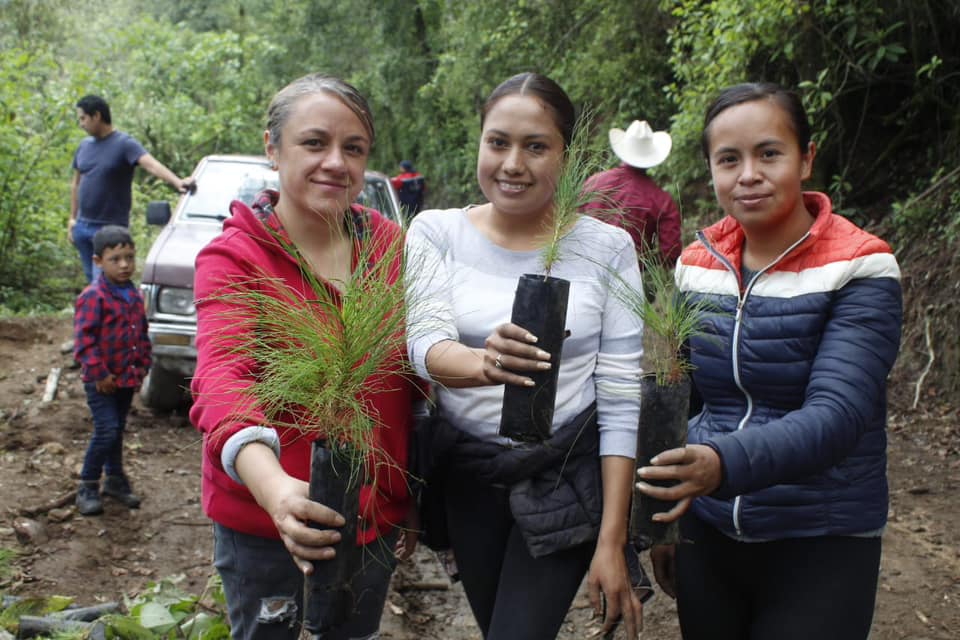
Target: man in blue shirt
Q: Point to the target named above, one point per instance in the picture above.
(103, 177)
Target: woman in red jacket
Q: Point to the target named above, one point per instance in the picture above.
(255, 475)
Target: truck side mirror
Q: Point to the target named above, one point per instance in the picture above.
(158, 212)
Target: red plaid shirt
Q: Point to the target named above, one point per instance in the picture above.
(110, 334)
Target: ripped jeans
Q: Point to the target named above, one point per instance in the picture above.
(264, 588)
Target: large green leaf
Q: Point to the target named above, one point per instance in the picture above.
(156, 617)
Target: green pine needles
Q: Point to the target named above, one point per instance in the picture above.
(669, 319)
(580, 162)
(314, 358)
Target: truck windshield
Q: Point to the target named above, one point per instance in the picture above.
(219, 183)
(376, 195)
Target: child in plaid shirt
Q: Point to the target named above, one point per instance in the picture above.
(112, 346)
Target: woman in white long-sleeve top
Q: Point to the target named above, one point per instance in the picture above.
(527, 522)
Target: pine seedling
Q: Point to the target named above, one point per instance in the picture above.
(314, 357)
(671, 317)
(580, 162)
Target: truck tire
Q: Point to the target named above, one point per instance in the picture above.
(162, 390)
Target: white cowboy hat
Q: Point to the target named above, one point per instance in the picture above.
(639, 146)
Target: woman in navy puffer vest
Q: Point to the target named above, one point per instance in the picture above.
(784, 473)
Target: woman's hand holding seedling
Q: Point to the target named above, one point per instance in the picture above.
(511, 348)
(696, 469)
(285, 499)
(508, 350)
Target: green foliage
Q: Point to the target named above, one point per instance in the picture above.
(935, 208)
(669, 320)
(36, 266)
(10, 617)
(879, 90)
(614, 59)
(579, 163)
(315, 357)
(164, 610)
(712, 46)
(603, 53)
(29, 21)
(184, 94)
(188, 79)
(6, 562)
(873, 75)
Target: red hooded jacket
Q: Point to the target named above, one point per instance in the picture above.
(245, 250)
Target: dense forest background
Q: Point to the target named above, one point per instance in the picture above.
(880, 78)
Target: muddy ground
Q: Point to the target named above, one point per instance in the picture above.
(100, 559)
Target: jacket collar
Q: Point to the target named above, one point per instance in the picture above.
(726, 236)
(107, 288)
(271, 230)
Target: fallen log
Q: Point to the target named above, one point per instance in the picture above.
(87, 614)
(50, 391)
(55, 503)
(33, 626)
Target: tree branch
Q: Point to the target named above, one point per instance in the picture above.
(931, 356)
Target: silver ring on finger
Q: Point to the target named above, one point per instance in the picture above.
(497, 363)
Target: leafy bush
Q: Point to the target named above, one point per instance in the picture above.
(164, 610)
(36, 265)
(877, 76)
(934, 208)
(712, 46)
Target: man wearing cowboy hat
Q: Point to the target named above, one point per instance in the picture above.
(643, 209)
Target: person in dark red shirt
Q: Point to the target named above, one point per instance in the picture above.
(113, 349)
(410, 186)
(639, 206)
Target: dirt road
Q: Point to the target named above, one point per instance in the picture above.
(99, 559)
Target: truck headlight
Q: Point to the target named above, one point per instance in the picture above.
(176, 300)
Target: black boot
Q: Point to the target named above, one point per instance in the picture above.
(88, 498)
(118, 488)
